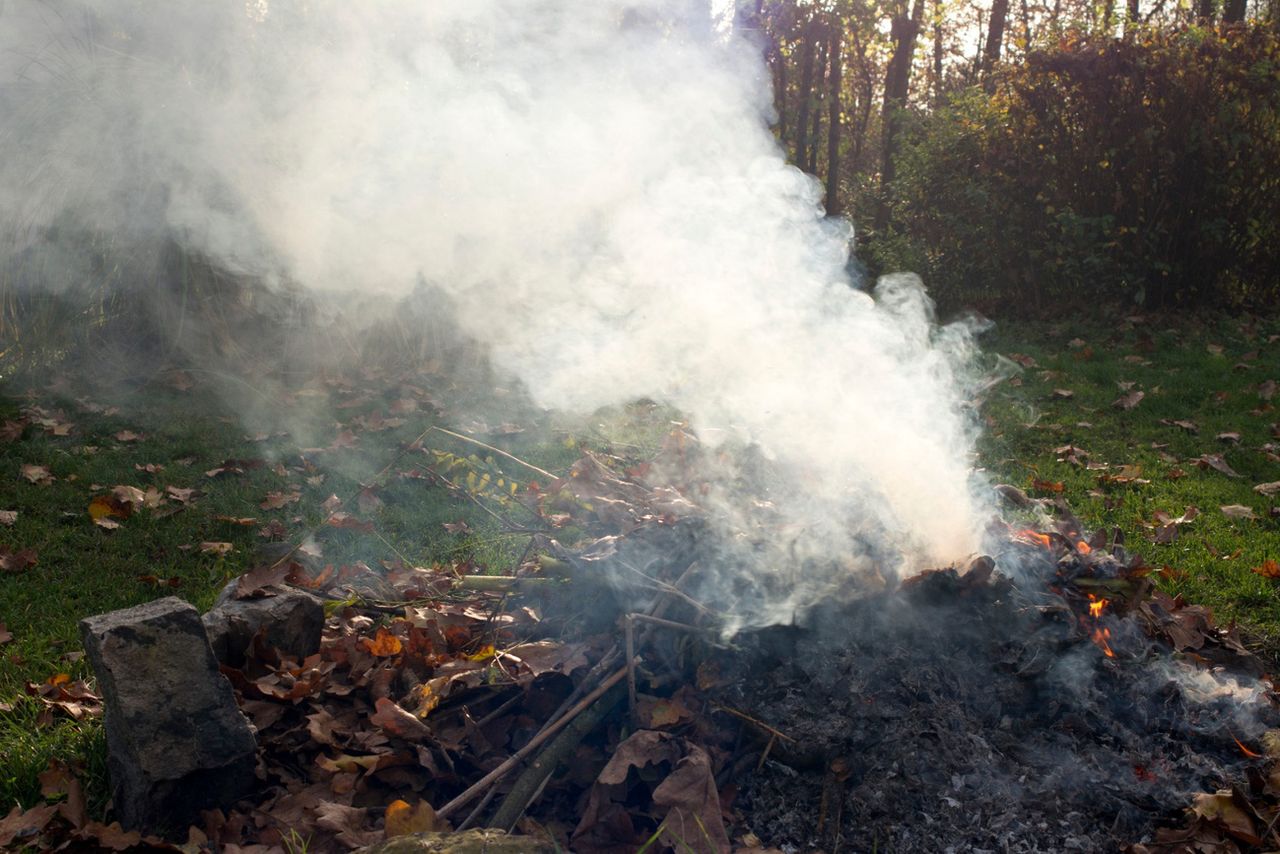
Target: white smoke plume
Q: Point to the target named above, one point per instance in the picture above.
(594, 184)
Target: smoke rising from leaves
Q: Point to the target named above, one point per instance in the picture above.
(593, 184)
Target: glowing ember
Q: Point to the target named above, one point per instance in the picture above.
(1246, 751)
(1096, 605)
(1083, 547)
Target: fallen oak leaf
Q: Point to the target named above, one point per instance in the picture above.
(383, 644)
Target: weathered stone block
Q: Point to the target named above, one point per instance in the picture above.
(176, 742)
(293, 620)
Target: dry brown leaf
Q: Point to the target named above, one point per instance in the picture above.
(276, 500)
(8, 517)
(1217, 463)
(1267, 389)
(39, 475)
(1271, 488)
(127, 436)
(1129, 401)
(1238, 511)
(1268, 569)
(216, 548)
(11, 561)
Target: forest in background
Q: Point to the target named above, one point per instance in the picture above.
(1020, 154)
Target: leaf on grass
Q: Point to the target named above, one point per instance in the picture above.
(1214, 349)
(459, 527)
(1271, 488)
(1023, 359)
(402, 819)
(1129, 401)
(11, 561)
(39, 475)
(1175, 473)
(276, 500)
(1189, 426)
(216, 548)
(127, 436)
(1230, 438)
(5, 635)
(157, 581)
(1238, 511)
(1063, 394)
(1047, 485)
(1217, 463)
(8, 517)
(1267, 389)
(1268, 569)
(1076, 343)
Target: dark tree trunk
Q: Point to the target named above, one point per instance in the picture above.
(1205, 12)
(815, 117)
(1108, 17)
(1233, 12)
(995, 35)
(835, 59)
(1026, 26)
(937, 59)
(804, 96)
(897, 84)
(780, 89)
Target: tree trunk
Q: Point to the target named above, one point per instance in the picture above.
(1133, 17)
(1205, 12)
(1108, 18)
(1233, 12)
(937, 57)
(897, 84)
(995, 35)
(835, 59)
(804, 95)
(816, 115)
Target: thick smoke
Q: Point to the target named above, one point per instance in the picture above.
(594, 184)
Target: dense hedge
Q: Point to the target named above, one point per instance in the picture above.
(1145, 169)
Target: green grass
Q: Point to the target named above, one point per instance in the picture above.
(1173, 361)
(84, 569)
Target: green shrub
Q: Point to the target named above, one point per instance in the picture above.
(1144, 169)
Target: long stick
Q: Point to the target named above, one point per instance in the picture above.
(534, 743)
(530, 466)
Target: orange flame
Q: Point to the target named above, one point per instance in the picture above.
(1083, 547)
(1100, 637)
(1096, 605)
(1042, 540)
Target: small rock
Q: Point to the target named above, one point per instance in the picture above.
(176, 743)
(293, 620)
(467, 842)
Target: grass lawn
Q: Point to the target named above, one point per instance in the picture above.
(369, 441)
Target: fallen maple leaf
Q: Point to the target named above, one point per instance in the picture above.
(39, 475)
(383, 644)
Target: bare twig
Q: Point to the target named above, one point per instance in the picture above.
(764, 726)
(530, 466)
(534, 743)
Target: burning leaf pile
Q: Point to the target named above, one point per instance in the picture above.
(1042, 699)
